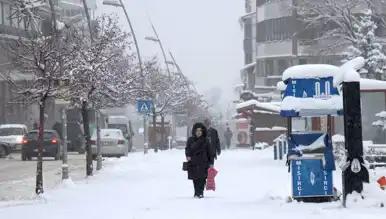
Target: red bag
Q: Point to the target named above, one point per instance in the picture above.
(210, 183)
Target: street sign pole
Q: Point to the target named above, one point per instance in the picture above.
(145, 144)
(65, 151)
(144, 107)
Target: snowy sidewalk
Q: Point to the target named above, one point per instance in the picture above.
(250, 184)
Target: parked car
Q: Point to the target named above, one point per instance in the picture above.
(52, 145)
(113, 143)
(12, 134)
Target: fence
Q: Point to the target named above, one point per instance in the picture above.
(280, 147)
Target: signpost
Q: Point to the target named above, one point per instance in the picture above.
(310, 93)
(309, 180)
(144, 107)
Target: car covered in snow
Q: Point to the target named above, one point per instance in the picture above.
(12, 136)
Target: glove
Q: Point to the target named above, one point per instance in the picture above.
(218, 153)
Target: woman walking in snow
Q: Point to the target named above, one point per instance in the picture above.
(199, 157)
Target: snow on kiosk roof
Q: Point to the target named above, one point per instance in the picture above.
(310, 71)
(310, 91)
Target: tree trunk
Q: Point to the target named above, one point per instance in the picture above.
(162, 130)
(39, 168)
(155, 131)
(86, 127)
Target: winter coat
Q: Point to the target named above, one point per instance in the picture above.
(198, 149)
(228, 136)
(214, 140)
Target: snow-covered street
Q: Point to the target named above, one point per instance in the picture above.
(250, 184)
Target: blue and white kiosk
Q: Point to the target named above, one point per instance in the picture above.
(309, 92)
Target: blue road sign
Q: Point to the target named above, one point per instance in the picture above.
(310, 179)
(317, 88)
(144, 106)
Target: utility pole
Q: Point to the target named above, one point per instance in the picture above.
(64, 140)
(98, 142)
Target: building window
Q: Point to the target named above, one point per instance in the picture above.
(283, 65)
(302, 61)
(248, 7)
(275, 29)
(7, 14)
(269, 67)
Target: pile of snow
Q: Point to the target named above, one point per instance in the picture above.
(281, 86)
(317, 144)
(261, 145)
(371, 84)
(311, 71)
(337, 138)
(335, 102)
(349, 72)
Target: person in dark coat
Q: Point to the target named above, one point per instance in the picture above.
(213, 139)
(58, 128)
(199, 158)
(228, 137)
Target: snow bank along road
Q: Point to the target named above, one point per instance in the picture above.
(250, 184)
(17, 178)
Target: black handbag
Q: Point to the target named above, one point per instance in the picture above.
(185, 166)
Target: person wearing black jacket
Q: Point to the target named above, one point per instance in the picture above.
(214, 139)
(199, 158)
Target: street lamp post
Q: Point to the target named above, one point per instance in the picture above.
(157, 39)
(119, 3)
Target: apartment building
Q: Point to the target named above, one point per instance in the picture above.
(280, 42)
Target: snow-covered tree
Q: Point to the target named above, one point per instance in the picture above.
(168, 93)
(39, 60)
(101, 73)
(29, 13)
(327, 26)
(366, 45)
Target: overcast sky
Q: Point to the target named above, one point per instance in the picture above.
(203, 35)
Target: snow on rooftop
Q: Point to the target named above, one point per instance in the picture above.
(310, 71)
(349, 72)
(371, 84)
(265, 106)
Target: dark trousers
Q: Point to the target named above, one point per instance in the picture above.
(228, 144)
(199, 186)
